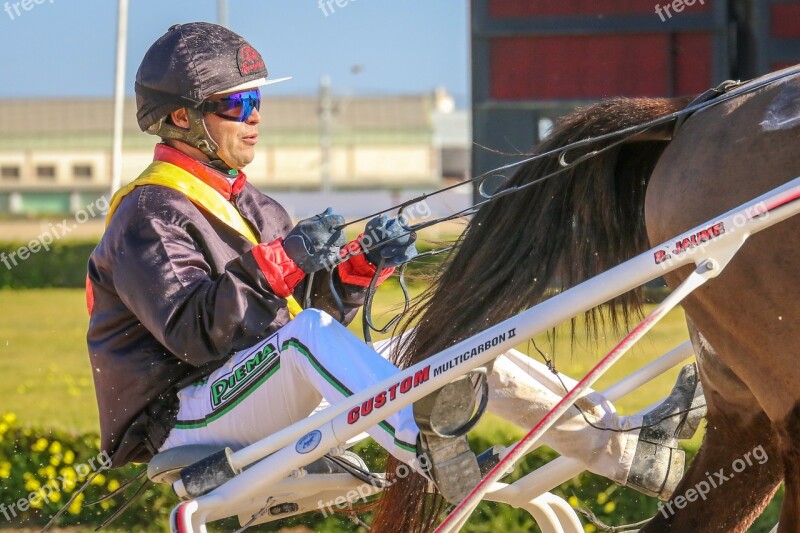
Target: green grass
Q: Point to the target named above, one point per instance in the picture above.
(45, 365)
(48, 380)
(43, 359)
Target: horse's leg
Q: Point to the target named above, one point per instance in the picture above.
(790, 511)
(737, 430)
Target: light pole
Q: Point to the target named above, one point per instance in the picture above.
(325, 123)
(222, 12)
(119, 94)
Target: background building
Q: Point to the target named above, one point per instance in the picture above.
(535, 61)
(55, 155)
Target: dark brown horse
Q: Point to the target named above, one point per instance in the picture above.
(611, 207)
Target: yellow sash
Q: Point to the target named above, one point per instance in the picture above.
(202, 195)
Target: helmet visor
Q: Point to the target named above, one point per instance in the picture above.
(237, 106)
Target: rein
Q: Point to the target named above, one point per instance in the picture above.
(726, 91)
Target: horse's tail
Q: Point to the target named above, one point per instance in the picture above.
(553, 234)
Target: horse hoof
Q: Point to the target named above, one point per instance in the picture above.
(680, 414)
(656, 470)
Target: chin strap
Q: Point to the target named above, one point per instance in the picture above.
(196, 135)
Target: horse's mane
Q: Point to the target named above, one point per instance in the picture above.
(553, 234)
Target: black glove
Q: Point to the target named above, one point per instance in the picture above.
(387, 239)
(314, 243)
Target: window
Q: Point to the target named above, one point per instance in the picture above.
(83, 172)
(9, 173)
(46, 172)
(545, 126)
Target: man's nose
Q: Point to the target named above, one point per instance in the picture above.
(254, 118)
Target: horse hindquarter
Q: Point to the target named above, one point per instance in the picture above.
(723, 157)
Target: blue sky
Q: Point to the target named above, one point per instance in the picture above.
(67, 47)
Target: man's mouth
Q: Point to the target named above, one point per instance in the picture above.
(250, 139)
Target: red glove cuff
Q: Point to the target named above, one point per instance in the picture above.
(281, 271)
(89, 295)
(358, 270)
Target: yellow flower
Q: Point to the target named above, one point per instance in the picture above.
(32, 485)
(609, 507)
(70, 478)
(55, 497)
(50, 471)
(3, 428)
(602, 498)
(75, 507)
(55, 460)
(99, 479)
(69, 456)
(55, 447)
(36, 503)
(573, 501)
(589, 528)
(40, 445)
(112, 485)
(27, 475)
(9, 418)
(5, 471)
(105, 505)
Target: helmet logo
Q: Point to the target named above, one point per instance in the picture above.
(249, 60)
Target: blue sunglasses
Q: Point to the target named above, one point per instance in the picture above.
(237, 106)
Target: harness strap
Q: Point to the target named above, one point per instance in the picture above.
(202, 195)
(710, 94)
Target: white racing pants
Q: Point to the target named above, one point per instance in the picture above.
(314, 360)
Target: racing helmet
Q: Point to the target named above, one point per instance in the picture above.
(184, 67)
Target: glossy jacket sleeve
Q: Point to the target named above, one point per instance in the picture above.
(168, 285)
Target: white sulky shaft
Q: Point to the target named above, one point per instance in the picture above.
(333, 424)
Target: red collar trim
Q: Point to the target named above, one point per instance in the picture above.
(204, 173)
